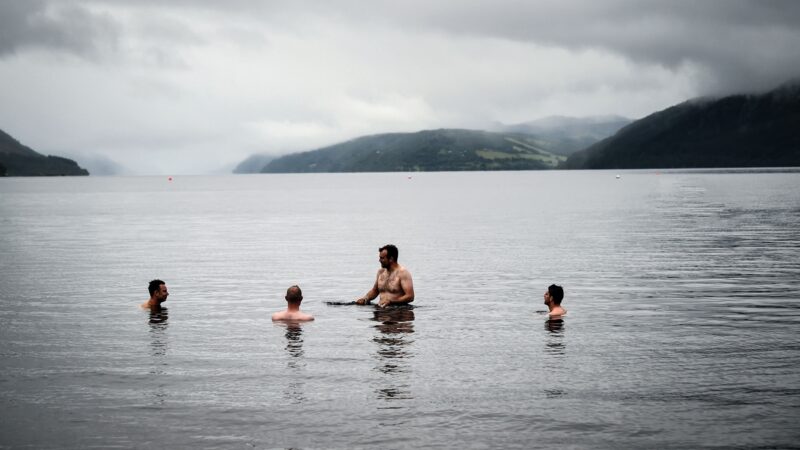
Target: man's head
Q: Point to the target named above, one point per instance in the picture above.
(387, 255)
(158, 291)
(294, 294)
(555, 294)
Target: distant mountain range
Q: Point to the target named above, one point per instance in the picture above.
(572, 133)
(428, 150)
(755, 130)
(19, 160)
(535, 145)
(735, 131)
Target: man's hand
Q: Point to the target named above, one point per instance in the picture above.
(361, 301)
(384, 302)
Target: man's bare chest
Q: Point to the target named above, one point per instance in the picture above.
(389, 282)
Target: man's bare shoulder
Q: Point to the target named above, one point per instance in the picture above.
(281, 315)
(289, 317)
(301, 317)
(403, 271)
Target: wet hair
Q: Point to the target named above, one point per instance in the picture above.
(154, 286)
(294, 294)
(556, 293)
(391, 251)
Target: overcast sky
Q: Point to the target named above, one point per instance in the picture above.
(189, 87)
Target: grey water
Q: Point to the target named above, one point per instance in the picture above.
(683, 292)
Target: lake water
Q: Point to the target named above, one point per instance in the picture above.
(683, 292)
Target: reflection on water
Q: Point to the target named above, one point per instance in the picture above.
(295, 389)
(554, 345)
(395, 325)
(157, 319)
(159, 344)
(554, 340)
(555, 326)
(294, 342)
(554, 393)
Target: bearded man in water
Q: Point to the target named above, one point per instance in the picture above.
(552, 298)
(393, 282)
(158, 295)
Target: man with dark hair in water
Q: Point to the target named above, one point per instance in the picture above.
(552, 298)
(158, 294)
(393, 282)
(292, 314)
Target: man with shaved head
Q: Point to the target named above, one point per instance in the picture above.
(292, 314)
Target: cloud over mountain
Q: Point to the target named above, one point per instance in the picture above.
(193, 85)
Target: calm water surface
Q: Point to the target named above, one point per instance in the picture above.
(683, 291)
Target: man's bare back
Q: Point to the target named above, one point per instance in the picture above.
(292, 313)
(292, 316)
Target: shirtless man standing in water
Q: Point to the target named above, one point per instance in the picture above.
(393, 282)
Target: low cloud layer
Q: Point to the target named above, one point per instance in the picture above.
(196, 87)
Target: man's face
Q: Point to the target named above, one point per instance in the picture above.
(546, 297)
(383, 258)
(161, 294)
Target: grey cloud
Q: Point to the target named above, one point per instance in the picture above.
(64, 27)
(739, 44)
(734, 44)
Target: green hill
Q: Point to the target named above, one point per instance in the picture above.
(734, 131)
(572, 133)
(429, 150)
(19, 160)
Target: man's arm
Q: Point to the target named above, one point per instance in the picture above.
(369, 295)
